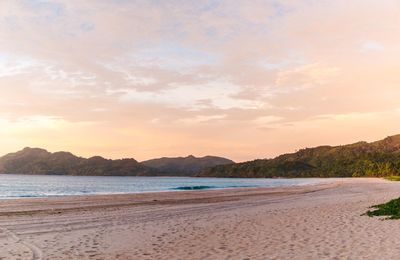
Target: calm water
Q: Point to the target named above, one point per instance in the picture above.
(20, 186)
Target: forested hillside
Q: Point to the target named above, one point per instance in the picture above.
(376, 159)
(185, 166)
(40, 161)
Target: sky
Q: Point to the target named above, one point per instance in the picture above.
(239, 79)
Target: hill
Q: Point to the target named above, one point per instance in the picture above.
(362, 159)
(40, 161)
(185, 166)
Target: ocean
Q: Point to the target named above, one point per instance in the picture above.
(23, 186)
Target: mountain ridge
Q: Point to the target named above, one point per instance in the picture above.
(38, 161)
(184, 166)
(361, 159)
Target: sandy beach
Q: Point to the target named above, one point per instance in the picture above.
(305, 222)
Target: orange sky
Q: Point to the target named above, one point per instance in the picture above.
(241, 79)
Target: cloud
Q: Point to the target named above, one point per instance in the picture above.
(203, 76)
(371, 46)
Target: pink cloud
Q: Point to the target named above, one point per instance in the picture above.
(202, 76)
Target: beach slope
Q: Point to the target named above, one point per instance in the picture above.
(305, 222)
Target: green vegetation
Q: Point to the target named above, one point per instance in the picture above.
(377, 159)
(393, 178)
(390, 209)
(185, 166)
(39, 161)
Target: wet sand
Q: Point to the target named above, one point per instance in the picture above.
(305, 222)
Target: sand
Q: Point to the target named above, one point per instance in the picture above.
(310, 222)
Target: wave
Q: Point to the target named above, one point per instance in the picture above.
(243, 186)
(204, 187)
(200, 187)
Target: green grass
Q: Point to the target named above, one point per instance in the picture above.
(393, 178)
(390, 209)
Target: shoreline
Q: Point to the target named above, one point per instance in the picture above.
(177, 188)
(317, 221)
(151, 198)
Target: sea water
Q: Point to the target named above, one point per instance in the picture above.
(22, 186)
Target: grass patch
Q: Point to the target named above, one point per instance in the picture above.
(390, 209)
(393, 178)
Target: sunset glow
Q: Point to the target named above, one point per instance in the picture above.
(147, 79)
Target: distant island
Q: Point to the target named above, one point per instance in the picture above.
(362, 159)
(38, 161)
